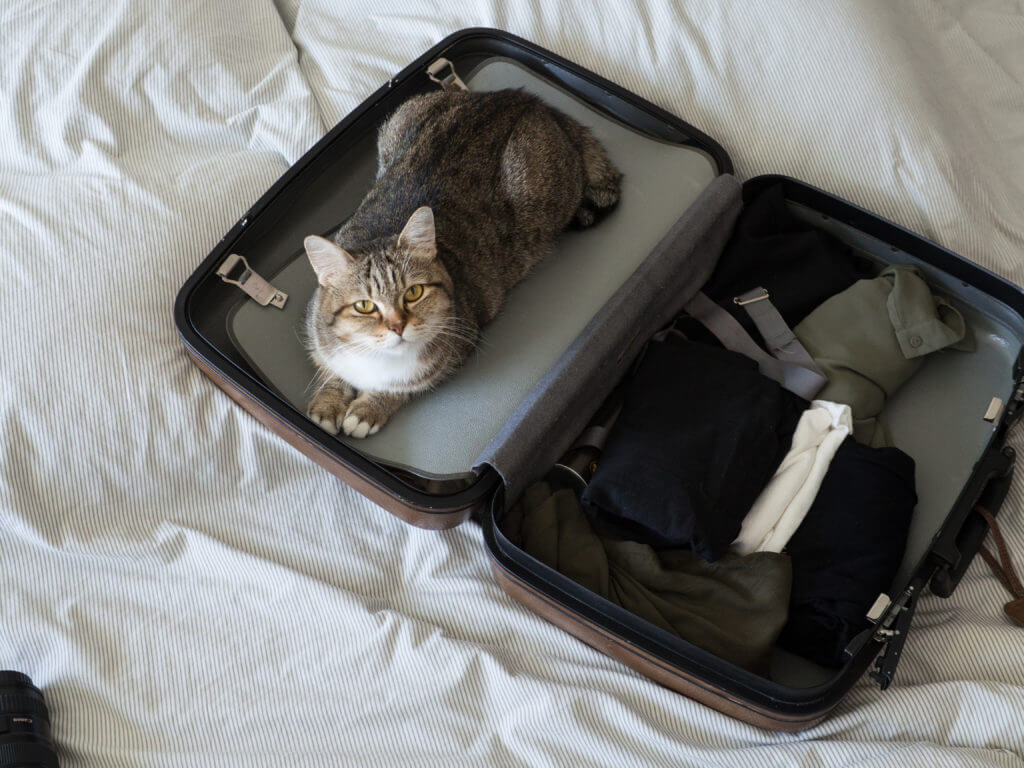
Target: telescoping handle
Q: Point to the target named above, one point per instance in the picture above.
(956, 548)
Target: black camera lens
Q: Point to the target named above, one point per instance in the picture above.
(24, 724)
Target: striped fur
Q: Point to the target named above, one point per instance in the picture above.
(471, 191)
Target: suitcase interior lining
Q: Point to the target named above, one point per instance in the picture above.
(441, 434)
(558, 409)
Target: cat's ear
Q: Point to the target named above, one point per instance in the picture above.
(418, 234)
(329, 261)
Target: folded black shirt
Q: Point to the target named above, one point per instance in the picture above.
(848, 548)
(799, 265)
(700, 434)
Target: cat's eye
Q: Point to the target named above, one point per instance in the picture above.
(364, 307)
(414, 293)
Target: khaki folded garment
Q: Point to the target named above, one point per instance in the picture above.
(871, 338)
(734, 607)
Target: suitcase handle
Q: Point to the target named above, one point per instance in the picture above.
(956, 549)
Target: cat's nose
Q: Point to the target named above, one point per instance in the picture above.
(398, 328)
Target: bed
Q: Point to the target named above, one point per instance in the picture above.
(189, 590)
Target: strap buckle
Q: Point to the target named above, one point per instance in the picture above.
(758, 294)
(450, 81)
(258, 289)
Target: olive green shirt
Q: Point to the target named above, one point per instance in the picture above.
(871, 338)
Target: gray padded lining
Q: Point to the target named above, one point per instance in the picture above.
(553, 415)
(442, 433)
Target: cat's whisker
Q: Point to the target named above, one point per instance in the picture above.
(320, 379)
(469, 337)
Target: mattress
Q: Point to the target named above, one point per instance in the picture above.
(189, 590)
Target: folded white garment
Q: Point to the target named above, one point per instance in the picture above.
(784, 502)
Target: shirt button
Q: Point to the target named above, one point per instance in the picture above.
(916, 341)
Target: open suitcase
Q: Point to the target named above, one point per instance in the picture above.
(476, 442)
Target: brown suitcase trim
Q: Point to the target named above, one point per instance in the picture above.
(647, 665)
(418, 516)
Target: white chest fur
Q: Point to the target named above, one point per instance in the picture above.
(386, 370)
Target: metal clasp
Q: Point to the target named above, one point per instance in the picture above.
(758, 294)
(258, 289)
(450, 81)
(892, 629)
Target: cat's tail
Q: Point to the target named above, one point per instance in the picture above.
(602, 179)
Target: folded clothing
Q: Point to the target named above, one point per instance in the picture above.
(733, 608)
(799, 265)
(848, 548)
(871, 338)
(783, 504)
(700, 434)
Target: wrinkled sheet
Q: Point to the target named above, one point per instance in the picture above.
(190, 591)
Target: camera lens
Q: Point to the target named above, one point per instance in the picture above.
(24, 725)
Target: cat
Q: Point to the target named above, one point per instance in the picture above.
(471, 191)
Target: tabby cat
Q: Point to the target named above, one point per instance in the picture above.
(471, 191)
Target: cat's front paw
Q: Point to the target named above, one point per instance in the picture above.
(328, 407)
(368, 413)
(362, 420)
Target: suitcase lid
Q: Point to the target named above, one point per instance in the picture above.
(245, 342)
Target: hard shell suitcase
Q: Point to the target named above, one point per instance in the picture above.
(476, 443)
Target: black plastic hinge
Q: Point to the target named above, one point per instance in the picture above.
(892, 630)
(1015, 408)
(1018, 366)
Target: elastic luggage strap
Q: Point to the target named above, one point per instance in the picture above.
(780, 340)
(787, 367)
(1003, 568)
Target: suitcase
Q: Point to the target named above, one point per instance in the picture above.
(472, 446)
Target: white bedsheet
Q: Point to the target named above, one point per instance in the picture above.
(190, 591)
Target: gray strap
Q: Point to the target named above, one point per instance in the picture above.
(780, 340)
(727, 330)
(792, 375)
(802, 381)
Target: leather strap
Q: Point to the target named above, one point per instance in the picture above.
(1003, 568)
(789, 373)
